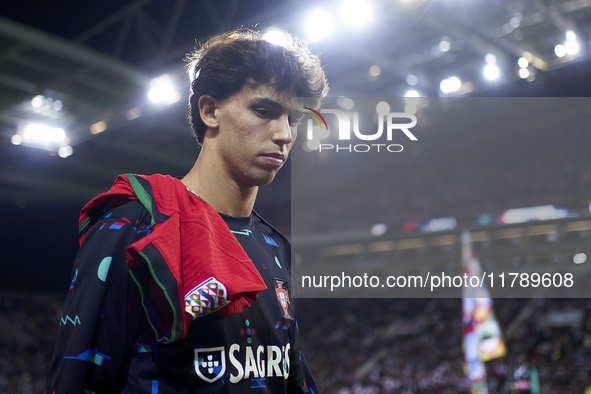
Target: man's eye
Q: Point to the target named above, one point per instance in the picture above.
(262, 112)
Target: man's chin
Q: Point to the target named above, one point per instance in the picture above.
(263, 179)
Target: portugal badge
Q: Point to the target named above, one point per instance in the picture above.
(282, 291)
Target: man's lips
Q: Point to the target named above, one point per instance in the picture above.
(275, 158)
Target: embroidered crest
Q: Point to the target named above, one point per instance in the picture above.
(207, 297)
(282, 291)
(210, 363)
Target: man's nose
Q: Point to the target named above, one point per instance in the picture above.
(283, 134)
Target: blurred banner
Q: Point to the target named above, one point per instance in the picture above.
(482, 337)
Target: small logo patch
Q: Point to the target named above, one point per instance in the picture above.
(210, 363)
(206, 297)
(282, 291)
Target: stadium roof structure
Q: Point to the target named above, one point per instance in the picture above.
(98, 60)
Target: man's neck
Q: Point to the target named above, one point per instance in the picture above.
(219, 190)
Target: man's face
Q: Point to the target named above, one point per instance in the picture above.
(254, 136)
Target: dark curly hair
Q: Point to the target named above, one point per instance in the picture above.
(228, 61)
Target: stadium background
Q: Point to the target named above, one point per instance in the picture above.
(97, 61)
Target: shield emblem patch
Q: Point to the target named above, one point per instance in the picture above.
(210, 363)
(282, 291)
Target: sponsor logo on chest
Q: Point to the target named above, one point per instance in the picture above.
(245, 362)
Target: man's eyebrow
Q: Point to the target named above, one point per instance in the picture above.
(269, 102)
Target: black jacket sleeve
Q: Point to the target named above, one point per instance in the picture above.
(93, 340)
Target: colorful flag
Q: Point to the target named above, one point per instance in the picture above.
(483, 340)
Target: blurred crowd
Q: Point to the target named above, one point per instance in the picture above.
(28, 328)
(363, 346)
(370, 346)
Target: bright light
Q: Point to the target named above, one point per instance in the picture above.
(356, 12)
(412, 80)
(346, 102)
(133, 113)
(44, 134)
(312, 145)
(560, 50)
(571, 35)
(410, 108)
(318, 25)
(523, 73)
(580, 258)
(383, 108)
(522, 62)
(162, 91)
(490, 58)
(65, 151)
(276, 37)
(528, 56)
(375, 70)
(41, 101)
(412, 93)
(452, 84)
(455, 84)
(16, 139)
(491, 72)
(38, 101)
(572, 47)
(379, 229)
(98, 127)
(444, 45)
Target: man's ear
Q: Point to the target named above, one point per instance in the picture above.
(207, 111)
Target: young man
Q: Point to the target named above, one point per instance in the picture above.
(179, 286)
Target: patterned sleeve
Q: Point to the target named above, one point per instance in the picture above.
(301, 379)
(92, 344)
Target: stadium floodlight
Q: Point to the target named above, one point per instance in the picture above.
(42, 134)
(356, 12)
(375, 70)
(38, 101)
(410, 109)
(444, 45)
(490, 58)
(98, 127)
(572, 47)
(449, 85)
(318, 25)
(346, 102)
(560, 50)
(579, 258)
(383, 108)
(65, 151)
(522, 62)
(162, 91)
(412, 93)
(571, 35)
(41, 101)
(523, 73)
(491, 72)
(379, 229)
(444, 86)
